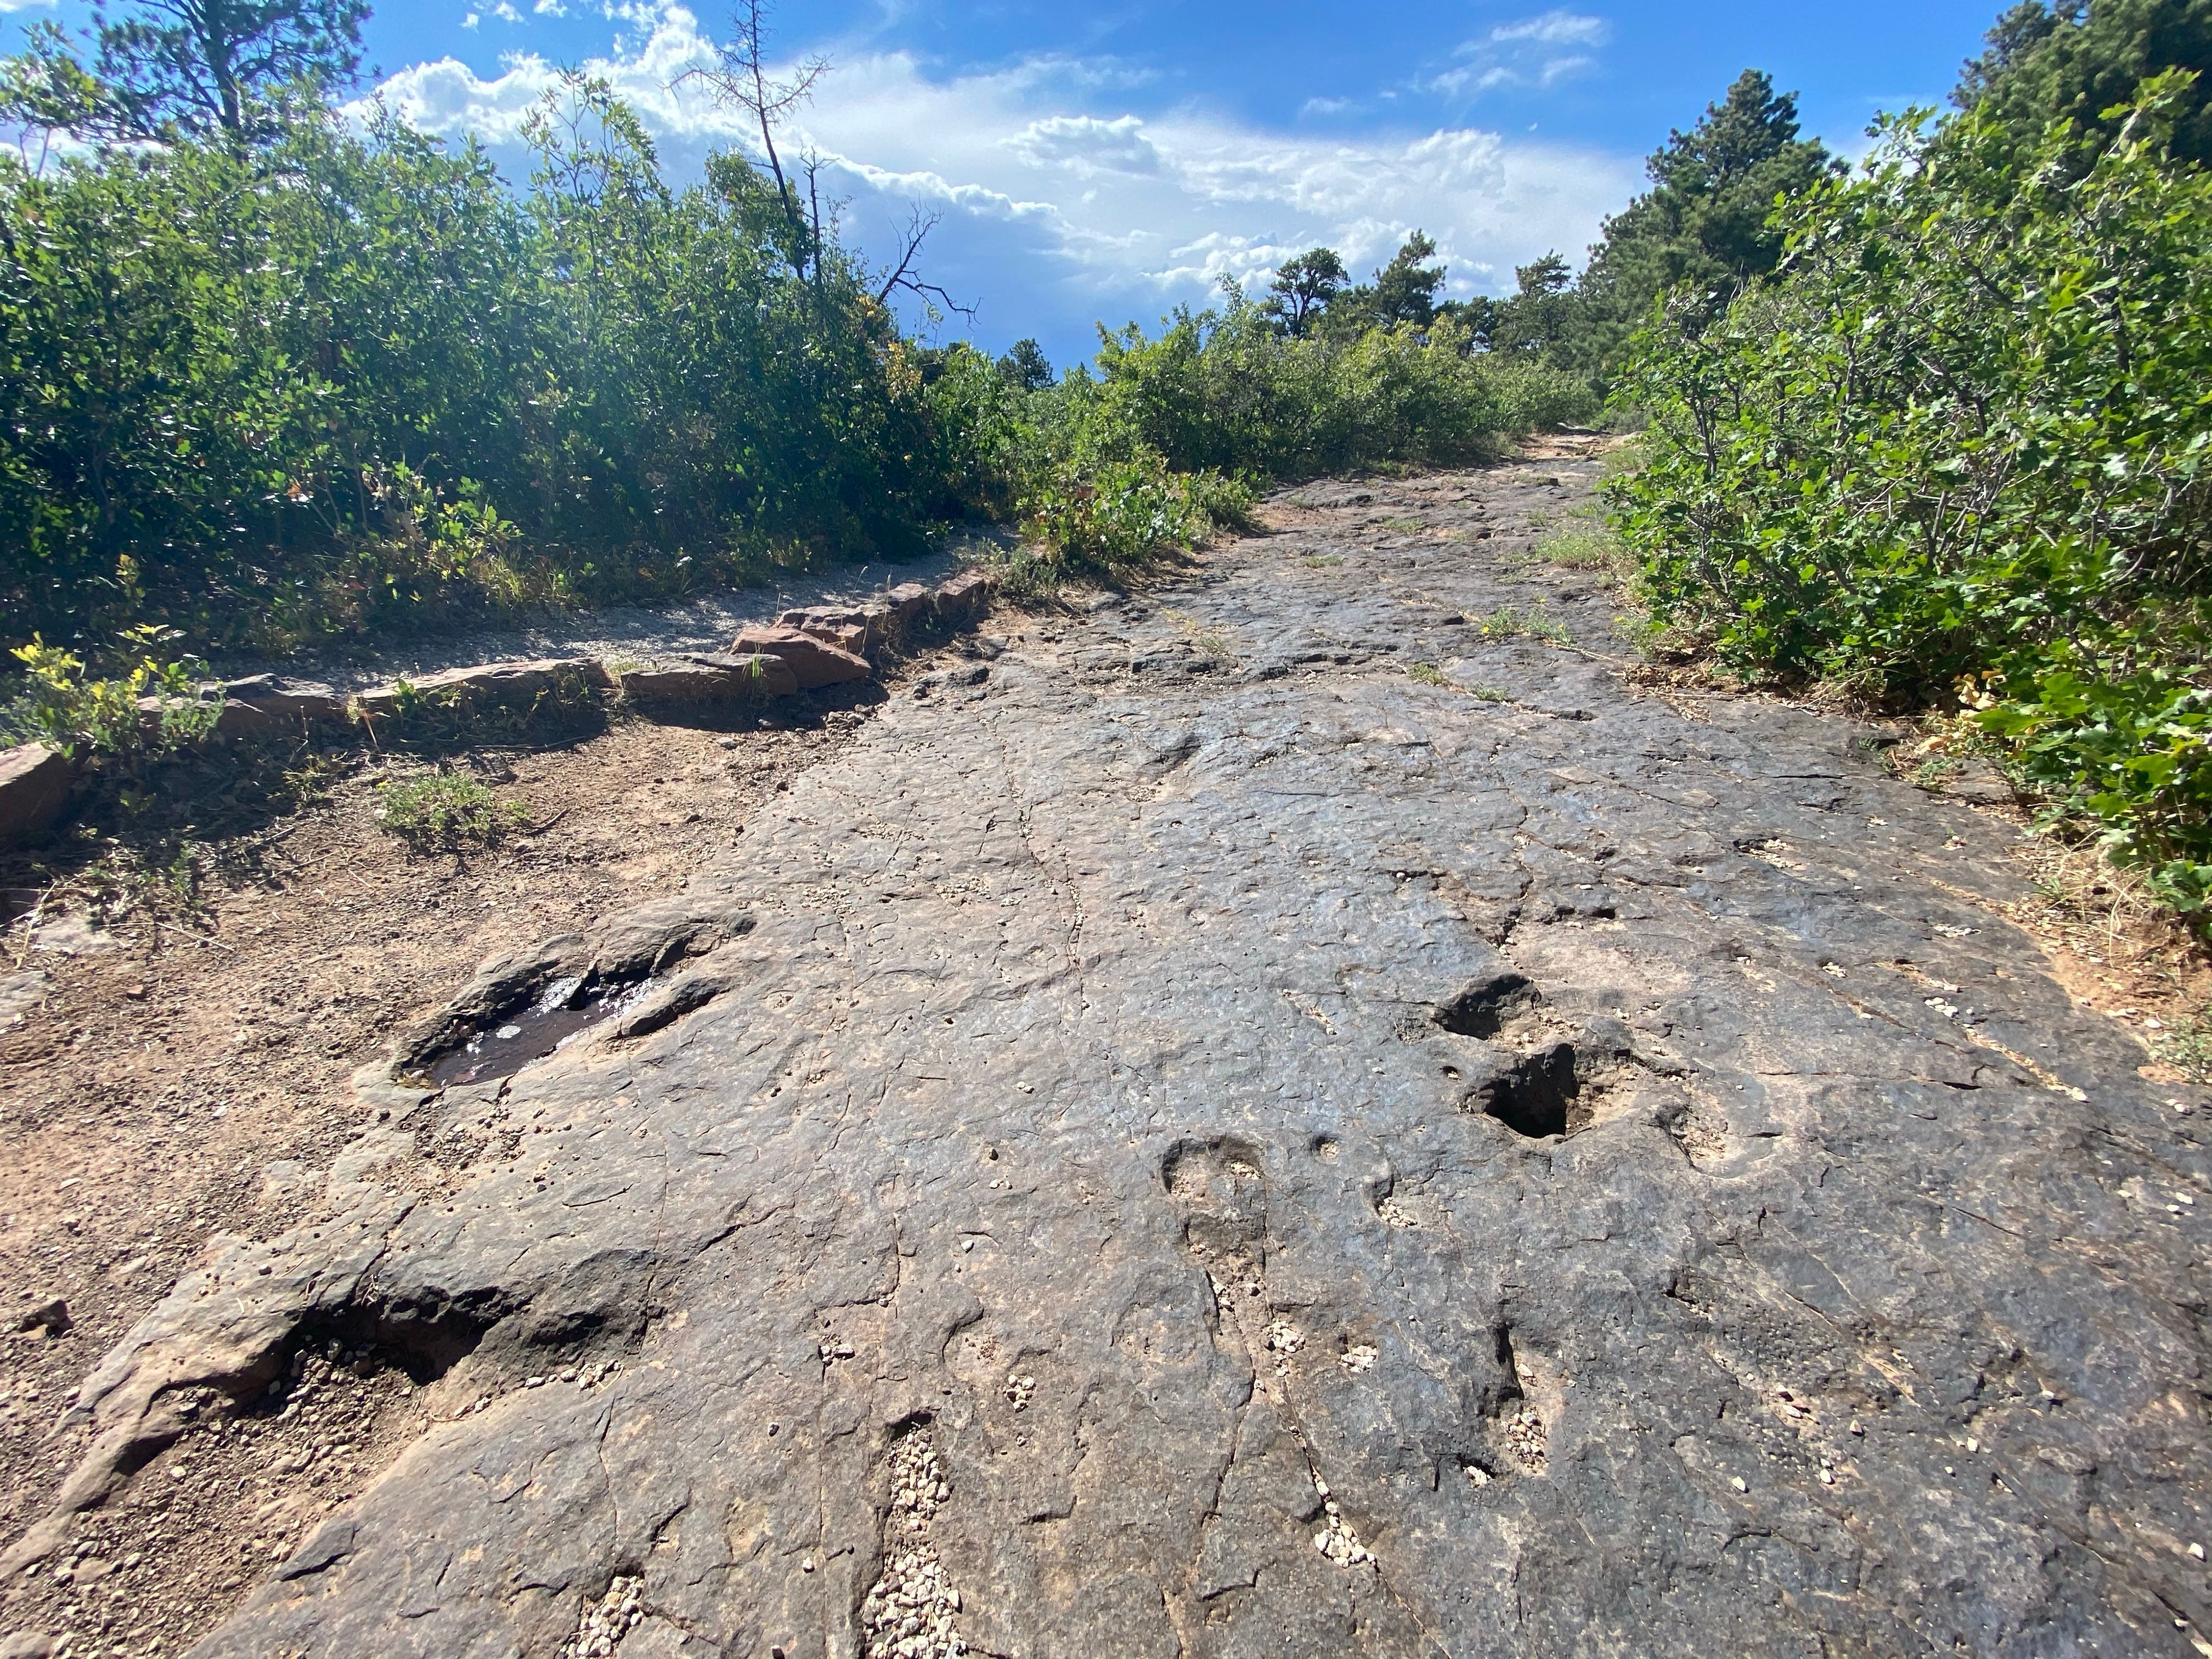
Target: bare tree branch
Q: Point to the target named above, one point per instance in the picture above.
(737, 79)
(903, 278)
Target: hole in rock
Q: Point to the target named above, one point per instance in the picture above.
(564, 1010)
(1532, 1098)
(1481, 1007)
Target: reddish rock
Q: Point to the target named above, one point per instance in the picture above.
(712, 678)
(34, 788)
(964, 596)
(815, 662)
(856, 629)
(906, 601)
(490, 685)
(285, 699)
(238, 717)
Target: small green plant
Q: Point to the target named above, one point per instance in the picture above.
(1934, 772)
(1404, 526)
(1511, 622)
(1214, 645)
(308, 784)
(153, 707)
(446, 813)
(1429, 674)
(1321, 562)
(159, 879)
(1582, 541)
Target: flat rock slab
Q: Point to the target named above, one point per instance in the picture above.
(34, 788)
(712, 678)
(1215, 1145)
(488, 686)
(815, 662)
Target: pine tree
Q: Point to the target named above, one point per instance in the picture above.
(174, 69)
(2073, 61)
(1703, 221)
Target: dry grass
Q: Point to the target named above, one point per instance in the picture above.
(2118, 950)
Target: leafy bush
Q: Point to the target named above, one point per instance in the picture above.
(446, 813)
(342, 382)
(1161, 440)
(1956, 446)
(152, 708)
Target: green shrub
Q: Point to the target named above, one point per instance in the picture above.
(1955, 449)
(350, 381)
(446, 813)
(1162, 440)
(153, 707)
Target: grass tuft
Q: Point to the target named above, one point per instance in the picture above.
(446, 813)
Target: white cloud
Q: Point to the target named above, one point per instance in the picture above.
(1085, 145)
(471, 20)
(550, 9)
(1058, 206)
(22, 5)
(1325, 106)
(1554, 28)
(506, 12)
(1536, 53)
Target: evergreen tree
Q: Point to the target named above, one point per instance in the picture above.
(1703, 221)
(1403, 291)
(174, 69)
(1543, 315)
(1304, 287)
(2075, 60)
(1024, 369)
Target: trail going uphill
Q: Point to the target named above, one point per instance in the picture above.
(1299, 1113)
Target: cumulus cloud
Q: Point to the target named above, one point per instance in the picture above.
(1058, 206)
(1085, 145)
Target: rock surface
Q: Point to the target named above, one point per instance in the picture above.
(289, 699)
(34, 788)
(1109, 1201)
(815, 662)
(712, 679)
(510, 686)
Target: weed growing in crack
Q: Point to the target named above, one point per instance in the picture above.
(1321, 562)
(446, 812)
(1429, 674)
(1581, 540)
(1511, 622)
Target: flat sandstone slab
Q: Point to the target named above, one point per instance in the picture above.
(1115, 1200)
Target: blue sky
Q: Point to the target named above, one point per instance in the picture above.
(1108, 161)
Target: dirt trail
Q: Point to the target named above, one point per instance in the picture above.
(1303, 1112)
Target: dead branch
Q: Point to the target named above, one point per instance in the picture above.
(903, 278)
